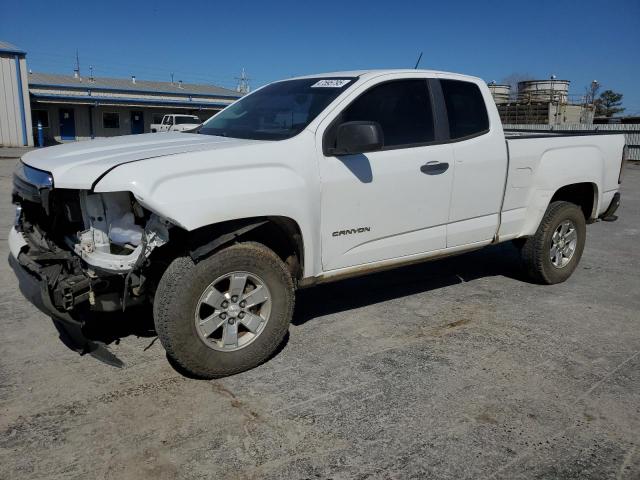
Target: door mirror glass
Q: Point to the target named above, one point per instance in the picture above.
(358, 137)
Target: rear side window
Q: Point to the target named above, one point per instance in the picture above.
(465, 108)
(402, 108)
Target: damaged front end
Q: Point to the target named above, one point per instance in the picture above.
(87, 251)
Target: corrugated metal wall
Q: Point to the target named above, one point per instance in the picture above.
(631, 132)
(15, 114)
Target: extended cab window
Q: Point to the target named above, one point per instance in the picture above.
(465, 108)
(402, 108)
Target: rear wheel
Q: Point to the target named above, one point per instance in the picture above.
(227, 313)
(552, 254)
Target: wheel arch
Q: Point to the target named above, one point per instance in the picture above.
(281, 234)
(583, 194)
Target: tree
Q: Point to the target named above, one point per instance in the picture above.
(591, 92)
(608, 104)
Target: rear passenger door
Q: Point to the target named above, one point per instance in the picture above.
(393, 202)
(480, 164)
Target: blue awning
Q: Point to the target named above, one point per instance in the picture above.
(133, 102)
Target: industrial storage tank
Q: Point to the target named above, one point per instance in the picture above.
(500, 93)
(552, 90)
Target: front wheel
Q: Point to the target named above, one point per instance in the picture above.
(225, 314)
(552, 254)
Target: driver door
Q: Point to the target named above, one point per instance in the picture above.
(393, 202)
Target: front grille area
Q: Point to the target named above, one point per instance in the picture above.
(46, 217)
(31, 184)
(52, 221)
(55, 214)
(26, 190)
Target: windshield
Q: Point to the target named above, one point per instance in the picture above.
(192, 120)
(278, 111)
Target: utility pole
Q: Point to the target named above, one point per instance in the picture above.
(76, 71)
(595, 85)
(243, 83)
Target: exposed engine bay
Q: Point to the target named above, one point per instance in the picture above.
(91, 249)
(118, 234)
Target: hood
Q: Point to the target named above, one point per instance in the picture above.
(80, 164)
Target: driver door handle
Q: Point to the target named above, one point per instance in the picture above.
(434, 168)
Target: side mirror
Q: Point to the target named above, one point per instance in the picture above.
(358, 137)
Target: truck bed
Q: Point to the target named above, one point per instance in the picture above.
(541, 162)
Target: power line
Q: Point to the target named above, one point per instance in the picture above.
(102, 70)
(243, 83)
(111, 63)
(45, 58)
(53, 61)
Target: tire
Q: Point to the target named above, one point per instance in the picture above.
(541, 264)
(179, 302)
(518, 243)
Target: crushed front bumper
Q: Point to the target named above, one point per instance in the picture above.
(45, 268)
(36, 289)
(16, 242)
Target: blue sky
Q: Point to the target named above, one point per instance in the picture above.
(210, 42)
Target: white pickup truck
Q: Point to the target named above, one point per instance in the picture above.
(176, 123)
(303, 181)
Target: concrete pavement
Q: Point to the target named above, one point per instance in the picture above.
(455, 369)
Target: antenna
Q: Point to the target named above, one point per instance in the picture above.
(243, 83)
(418, 62)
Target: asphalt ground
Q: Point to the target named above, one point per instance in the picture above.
(454, 369)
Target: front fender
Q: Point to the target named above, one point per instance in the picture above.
(196, 198)
(201, 189)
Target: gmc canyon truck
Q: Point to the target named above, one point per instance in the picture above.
(303, 181)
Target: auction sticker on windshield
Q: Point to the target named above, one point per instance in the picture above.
(330, 83)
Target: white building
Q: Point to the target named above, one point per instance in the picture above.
(15, 114)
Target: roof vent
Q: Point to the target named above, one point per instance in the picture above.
(133, 79)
